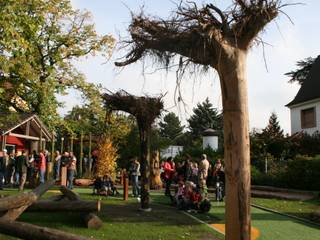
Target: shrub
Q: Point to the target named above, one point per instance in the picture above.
(304, 173)
(300, 173)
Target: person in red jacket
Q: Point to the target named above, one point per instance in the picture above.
(169, 171)
(42, 166)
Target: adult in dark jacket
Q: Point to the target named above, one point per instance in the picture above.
(2, 168)
(22, 167)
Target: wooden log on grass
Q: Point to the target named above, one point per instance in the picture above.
(72, 196)
(16, 205)
(32, 232)
(93, 221)
(84, 182)
(65, 206)
(23, 199)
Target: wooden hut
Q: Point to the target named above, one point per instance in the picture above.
(23, 132)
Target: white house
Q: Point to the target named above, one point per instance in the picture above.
(305, 107)
(210, 139)
(170, 151)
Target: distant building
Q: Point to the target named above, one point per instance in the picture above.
(210, 139)
(23, 132)
(305, 107)
(171, 151)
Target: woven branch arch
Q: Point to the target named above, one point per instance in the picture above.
(145, 109)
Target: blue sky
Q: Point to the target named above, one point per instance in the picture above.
(268, 89)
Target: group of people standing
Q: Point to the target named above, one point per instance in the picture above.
(18, 168)
(186, 171)
(68, 160)
(191, 178)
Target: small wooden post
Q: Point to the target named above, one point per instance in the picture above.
(125, 186)
(63, 176)
(121, 177)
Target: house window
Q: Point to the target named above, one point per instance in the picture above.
(308, 118)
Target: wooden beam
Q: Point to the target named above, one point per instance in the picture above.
(28, 128)
(17, 204)
(72, 196)
(32, 232)
(65, 206)
(25, 137)
(40, 127)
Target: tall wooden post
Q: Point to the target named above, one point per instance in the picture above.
(4, 139)
(81, 154)
(52, 150)
(89, 155)
(61, 149)
(40, 142)
(71, 143)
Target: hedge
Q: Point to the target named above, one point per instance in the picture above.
(300, 173)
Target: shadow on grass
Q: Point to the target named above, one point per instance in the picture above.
(160, 215)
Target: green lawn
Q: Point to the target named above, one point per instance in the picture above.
(122, 220)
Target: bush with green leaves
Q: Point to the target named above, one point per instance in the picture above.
(300, 173)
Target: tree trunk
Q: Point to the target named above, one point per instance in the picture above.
(232, 71)
(144, 163)
(65, 206)
(29, 231)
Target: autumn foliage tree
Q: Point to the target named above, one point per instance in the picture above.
(210, 37)
(107, 159)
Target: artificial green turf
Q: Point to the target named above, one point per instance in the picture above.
(272, 226)
(302, 209)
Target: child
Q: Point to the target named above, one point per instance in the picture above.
(109, 187)
(97, 186)
(179, 195)
(192, 197)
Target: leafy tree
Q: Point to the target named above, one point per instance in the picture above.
(273, 129)
(204, 116)
(301, 73)
(273, 137)
(170, 127)
(39, 42)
